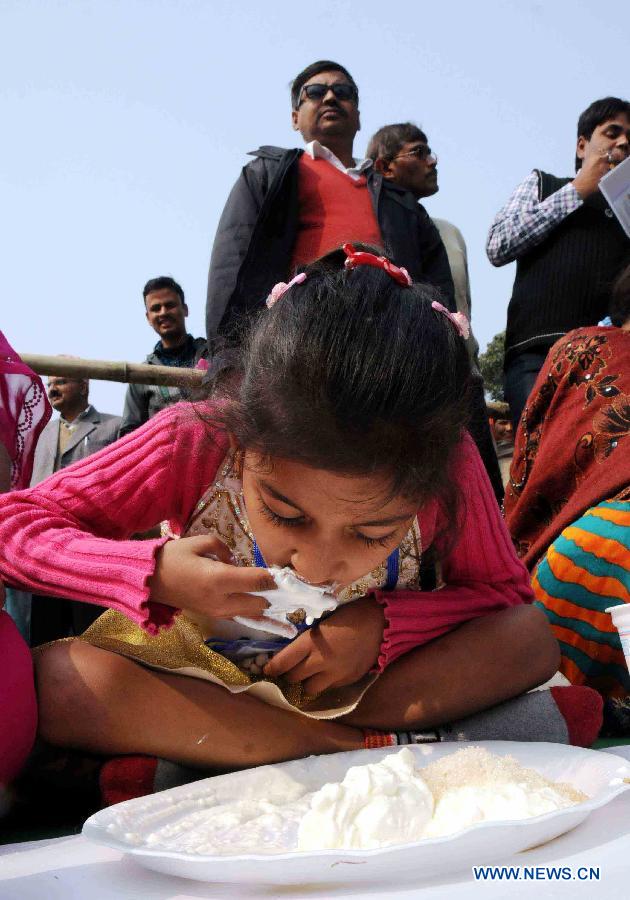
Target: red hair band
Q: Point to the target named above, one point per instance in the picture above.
(362, 258)
(401, 276)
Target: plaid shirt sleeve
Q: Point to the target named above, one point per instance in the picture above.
(525, 220)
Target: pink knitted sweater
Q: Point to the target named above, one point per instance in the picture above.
(70, 535)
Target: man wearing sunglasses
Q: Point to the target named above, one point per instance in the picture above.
(401, 155)
(290, 206)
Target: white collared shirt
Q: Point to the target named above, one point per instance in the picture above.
(317, 151)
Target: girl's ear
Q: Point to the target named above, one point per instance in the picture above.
(239, 455)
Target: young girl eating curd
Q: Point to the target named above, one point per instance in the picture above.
(335, 447)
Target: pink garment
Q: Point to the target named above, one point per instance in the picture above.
(24, 411)
(482, 573)
(71, 533)
(18, 707)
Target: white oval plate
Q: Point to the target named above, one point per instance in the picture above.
(125, 826)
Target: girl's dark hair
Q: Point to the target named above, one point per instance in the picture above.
(353, 373)
(620, 299)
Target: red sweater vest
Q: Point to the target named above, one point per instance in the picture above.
(333, 209)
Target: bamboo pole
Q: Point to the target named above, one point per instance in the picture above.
(106, 370)
(141, 373)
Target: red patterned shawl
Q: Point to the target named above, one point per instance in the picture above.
(572, 447)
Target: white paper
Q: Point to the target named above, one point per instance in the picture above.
(615, 186)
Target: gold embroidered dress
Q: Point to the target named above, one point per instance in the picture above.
(182, 649)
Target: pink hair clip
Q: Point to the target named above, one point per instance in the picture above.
(282, 287)
(361, 258)
(458, 319)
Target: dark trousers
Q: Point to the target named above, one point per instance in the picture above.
(53, 618)
(519, 378)
(479, 428)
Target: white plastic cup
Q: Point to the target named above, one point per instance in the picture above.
(621, 620)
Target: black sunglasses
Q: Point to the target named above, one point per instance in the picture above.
(341, 91)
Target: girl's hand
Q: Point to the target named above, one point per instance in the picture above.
(340, 650)
(198, 574)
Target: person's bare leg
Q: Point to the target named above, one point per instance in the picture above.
(102, 702)
(481, 663)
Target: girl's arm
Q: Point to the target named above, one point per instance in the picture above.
(483, 662)
(70, 535)
(481, 573)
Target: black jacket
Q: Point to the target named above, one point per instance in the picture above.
(256, 233)
(143, 401)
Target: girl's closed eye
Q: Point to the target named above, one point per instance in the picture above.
(375, 541)
(276, 519)
(383, 541)
(293, 521)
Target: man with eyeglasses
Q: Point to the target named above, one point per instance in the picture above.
(401, 155)
(290, 206)
(568, 247)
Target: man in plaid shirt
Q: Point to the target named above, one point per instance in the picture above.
(567, 245)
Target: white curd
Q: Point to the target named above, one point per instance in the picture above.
(375, 805)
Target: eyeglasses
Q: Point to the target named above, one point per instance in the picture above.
(421, 151)
(316, 91)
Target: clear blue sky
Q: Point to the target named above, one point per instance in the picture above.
(124, 124)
